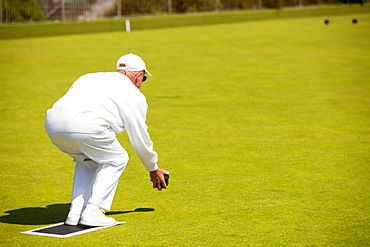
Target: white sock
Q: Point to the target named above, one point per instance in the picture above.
(76, 209)
(91, 208)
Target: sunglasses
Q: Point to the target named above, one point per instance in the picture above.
(144, 78)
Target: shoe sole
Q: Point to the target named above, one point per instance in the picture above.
(86, 223)
(71, 222)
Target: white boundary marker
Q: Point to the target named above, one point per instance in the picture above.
(33, 232)
(128, 26)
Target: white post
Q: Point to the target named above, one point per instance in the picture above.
(169, 7)
(260, 4)
(1, 12)
(128, 26)
(119, 8)
(63, 11)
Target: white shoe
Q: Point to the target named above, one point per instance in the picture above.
(96, 218)
(72, 219)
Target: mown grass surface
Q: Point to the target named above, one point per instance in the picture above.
(263, 125)
(39, 29)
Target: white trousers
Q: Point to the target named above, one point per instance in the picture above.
(100, 160)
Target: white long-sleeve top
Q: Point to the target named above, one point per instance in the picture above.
(97, 101)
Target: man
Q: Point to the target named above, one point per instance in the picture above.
(84, 123)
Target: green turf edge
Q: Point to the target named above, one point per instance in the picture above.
(14, 31)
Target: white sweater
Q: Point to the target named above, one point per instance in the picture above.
(103, 100)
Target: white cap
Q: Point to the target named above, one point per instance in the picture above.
(131, 62)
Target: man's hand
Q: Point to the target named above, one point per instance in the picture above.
(158, 179)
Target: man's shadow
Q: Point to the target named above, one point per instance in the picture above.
(50, 214)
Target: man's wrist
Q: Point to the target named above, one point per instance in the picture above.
(154, 168)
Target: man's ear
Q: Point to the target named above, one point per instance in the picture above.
(137, 81)
(137, 77)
